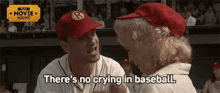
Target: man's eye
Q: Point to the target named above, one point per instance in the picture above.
(81, 38)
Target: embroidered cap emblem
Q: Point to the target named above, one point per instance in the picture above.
(76, 15)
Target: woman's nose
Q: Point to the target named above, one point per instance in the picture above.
(130, 58)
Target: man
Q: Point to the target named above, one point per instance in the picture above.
(216, 7)
(202, 6)
(190, 21)
(28, 25)
(123, 11)
(93, 16)
(209, 17)
(46, 18)
(100, 20)
(184, 12)
(12, 27)
(76, 32)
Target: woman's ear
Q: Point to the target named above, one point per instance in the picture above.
(65, 46)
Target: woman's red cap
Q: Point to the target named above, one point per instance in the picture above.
(160, 15)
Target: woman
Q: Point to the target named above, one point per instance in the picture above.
(213, 85)
(153, 37)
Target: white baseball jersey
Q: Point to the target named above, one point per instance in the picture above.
(180, 72)
(60, 67)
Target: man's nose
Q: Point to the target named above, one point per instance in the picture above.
(91, 40)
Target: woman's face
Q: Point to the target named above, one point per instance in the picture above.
(216, 72)
(140, 56)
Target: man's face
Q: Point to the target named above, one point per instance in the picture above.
(85, 49)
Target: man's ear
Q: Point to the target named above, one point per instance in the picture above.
(65, 46)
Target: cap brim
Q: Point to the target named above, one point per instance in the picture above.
(93, 24)
(132, 15)
(89, 26)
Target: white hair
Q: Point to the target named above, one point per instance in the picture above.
(168, 49)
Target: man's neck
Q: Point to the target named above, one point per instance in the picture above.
(80, 69)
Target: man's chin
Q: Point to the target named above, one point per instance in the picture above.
(93, 59)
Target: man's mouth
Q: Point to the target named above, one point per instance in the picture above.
(92, 51)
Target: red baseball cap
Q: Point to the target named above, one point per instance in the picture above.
(216, 64)
(160, 15)
(75, 24)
